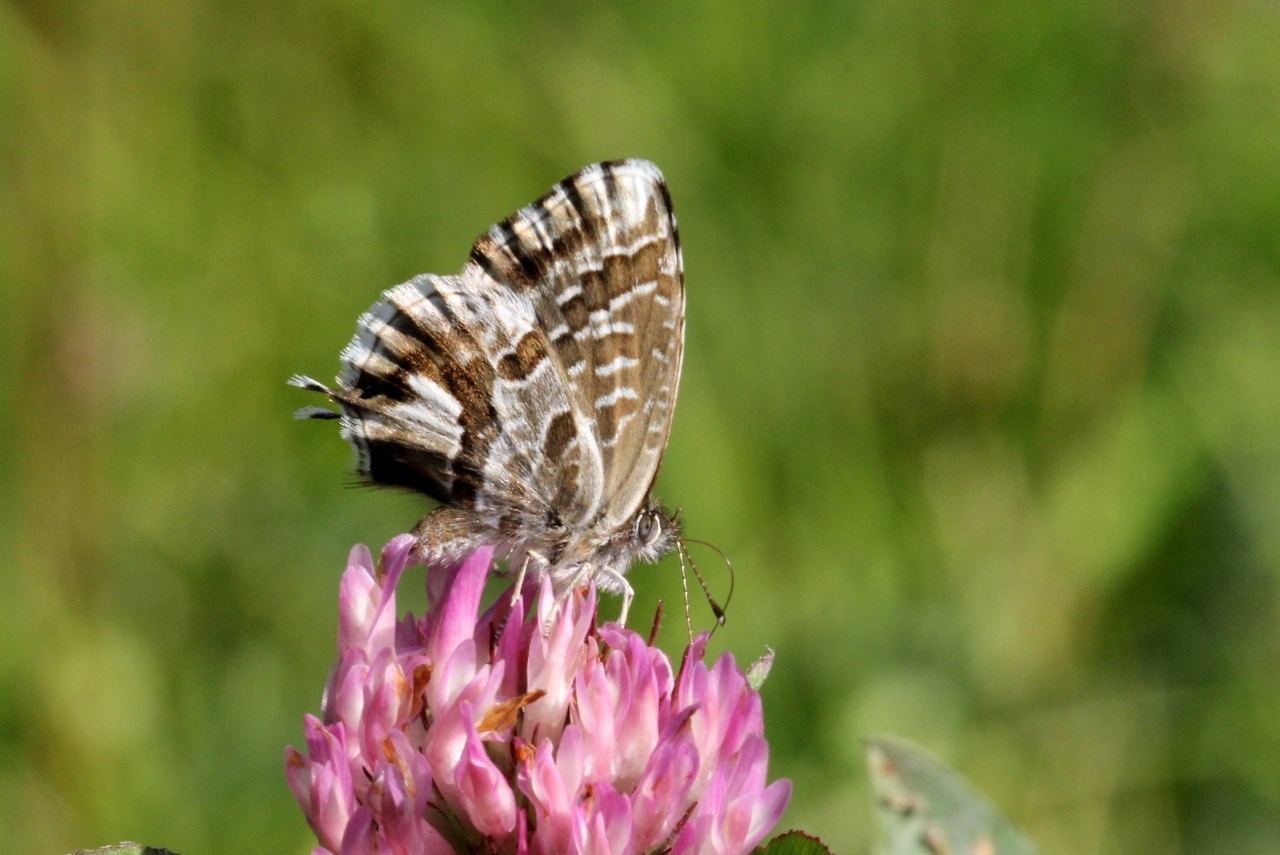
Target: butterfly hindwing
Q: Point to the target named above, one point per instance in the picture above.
(444, 389)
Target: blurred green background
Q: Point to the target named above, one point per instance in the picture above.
(981, 392)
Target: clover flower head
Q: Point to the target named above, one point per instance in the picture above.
(462, 732)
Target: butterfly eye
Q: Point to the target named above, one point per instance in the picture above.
(648, 528)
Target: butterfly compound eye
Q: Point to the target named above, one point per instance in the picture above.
(648, 528)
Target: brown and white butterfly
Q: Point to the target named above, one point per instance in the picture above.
(532, 393)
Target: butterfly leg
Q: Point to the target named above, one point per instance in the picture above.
(519, 585)
(628, 592)
(582, 575)
(518, 588)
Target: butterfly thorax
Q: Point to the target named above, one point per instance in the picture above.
(647, 536)
(567, 554)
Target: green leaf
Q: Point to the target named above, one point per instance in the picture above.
(793, 843)
(927, 809)
(124, 849)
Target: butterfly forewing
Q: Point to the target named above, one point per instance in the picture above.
(600, 257)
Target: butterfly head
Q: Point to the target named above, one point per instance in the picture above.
(652, 533)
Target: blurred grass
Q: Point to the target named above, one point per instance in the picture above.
(982, 386)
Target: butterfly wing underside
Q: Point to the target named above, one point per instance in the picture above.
(539, 383)
(599, 257)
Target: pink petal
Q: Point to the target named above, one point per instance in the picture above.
(508, 648)
(736, 812)
(540, 780)
(359, 602)
(590, 837)
(483, 792)
(343, 698)
(455, 620)
(359, 838)
(396, 556)
(554, 660)
(615, 810)
(766, 810)
(522, 832)
(397, 798)
(662, 796)
(595, 710)
(602, 823)
(755, 809)
(386, 702)
(325, 744)
(451, 676)
(447, 738)
(571, 760)
(728, 711)
(643, 677)
(322, 785)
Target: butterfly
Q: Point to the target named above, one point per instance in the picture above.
(531, 395)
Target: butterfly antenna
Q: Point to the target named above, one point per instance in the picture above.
(681, 552)
(733, 579)
(715, 607)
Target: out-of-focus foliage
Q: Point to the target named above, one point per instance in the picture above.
(982, 385)
(124, 849)
(926, 809)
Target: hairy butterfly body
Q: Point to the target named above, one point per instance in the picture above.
(531, 395)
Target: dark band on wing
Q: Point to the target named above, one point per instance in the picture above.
(402, 464)
(528, 355)
(609, 169)
(671, 216)
(391, 387)
(511, 260)
(450, 356)
(586, 221)
(560, 432)
(610, 416)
